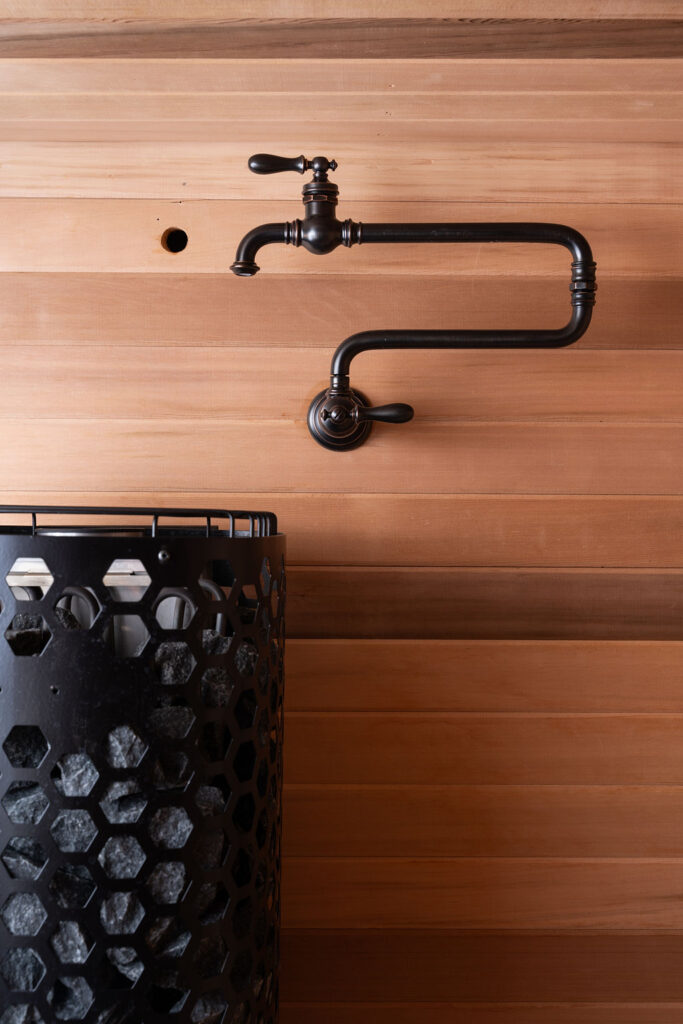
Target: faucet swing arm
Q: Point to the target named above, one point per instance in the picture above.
(340, 418)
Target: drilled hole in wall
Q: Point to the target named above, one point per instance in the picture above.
(174, 240)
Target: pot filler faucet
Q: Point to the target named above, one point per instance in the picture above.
(340, 418)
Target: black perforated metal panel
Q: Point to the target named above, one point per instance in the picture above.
(140, 776)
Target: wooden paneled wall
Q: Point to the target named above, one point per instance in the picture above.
(484, 763)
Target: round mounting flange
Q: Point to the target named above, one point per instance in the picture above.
(332, 419)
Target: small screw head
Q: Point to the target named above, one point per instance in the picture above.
(164, 555)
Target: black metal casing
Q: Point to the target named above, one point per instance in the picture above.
(148, 866)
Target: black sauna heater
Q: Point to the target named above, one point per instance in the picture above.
(141, 675)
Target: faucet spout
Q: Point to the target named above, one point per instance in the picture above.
(245, 264)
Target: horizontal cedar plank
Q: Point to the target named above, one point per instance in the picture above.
(338, 37)
(100, 124)
(440, 966)
(543, 458)
(636, 242)
(512, 604)
(423, 749)
(489, 529)
(493, 893)
(570, 385)
(212, 10)
(523, 458)
(279, 309)
(484, 676)
(482, 821)
(278, 75)
(510, 111)
(375, 167)
(476, 1013)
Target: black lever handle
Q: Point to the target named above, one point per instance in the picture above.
(267, 163)
(397, 412)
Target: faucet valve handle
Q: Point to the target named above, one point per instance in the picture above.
(266, 163)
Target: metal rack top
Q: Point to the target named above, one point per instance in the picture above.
(257, 524)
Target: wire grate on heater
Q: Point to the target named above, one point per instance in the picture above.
(140, 777)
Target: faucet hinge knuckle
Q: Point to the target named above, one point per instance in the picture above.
(583, 285)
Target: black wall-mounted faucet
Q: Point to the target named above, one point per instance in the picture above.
(340, 418)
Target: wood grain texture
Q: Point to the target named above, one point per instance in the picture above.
(475, 1013)
(375, 167)
(486, 604)
(212, 10)
(398, 529)
(428, 748)
(278, 74)
(161, 310)
(543, 458)
(544, 820)
(481, 892)
(337, 37)
(428, 966)
(495, 676)
(652, 116)
(567, 386)
(637, 242)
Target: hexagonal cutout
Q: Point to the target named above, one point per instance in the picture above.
(28, 635)
(22, 969)
(170, 827)
(125, 749)
(211, 902)
(209, 1009)
(215, 741)
(169, 998)
(211, 956)
(212, 798)
(245, 709)
(167, 938)
(23, 1014)
(72, 885)
(22, 913)
(29, 579)
(123, 802)
(25, 803)
(244, 761)
(262, 778)
(244, 813)
(167, 882)
(216, 687)
(174, 608)
(173, 662)
(127, 965)
(242, 918)
(73, 831)
(246, 657)
(74, 775)
(121, 913)
(25, 746)
(211, 849)
(70, 998)
(242, 868)
(24, 857)
(121, 857)
(171, 717)
(76, 608)
(126, 636)
(126, 579)
(247, 604)
(71, 942)
(171, 771)
(217, 634)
